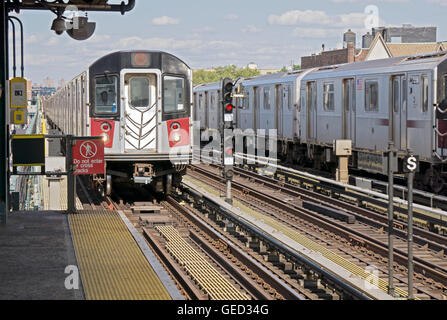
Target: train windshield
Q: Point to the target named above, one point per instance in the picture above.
(106, 89)
(139, 92)
(173, 94)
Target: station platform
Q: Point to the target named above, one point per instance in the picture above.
(111, 259)
(35, 250)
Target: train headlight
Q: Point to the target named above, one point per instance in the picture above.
(105, 137)
(177, 137)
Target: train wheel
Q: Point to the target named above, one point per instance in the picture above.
(434, 180)
(101, 190)
(108, 183)
(438, 184)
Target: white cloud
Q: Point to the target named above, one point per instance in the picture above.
(442, 3)
(300, 17)
(165, 20)
(232, 16)
(369, 1)
(313, 33)
(251, 29)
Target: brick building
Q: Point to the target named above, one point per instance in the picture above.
(382, 43)
(339, 56)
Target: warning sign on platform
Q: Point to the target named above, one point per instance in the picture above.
(88, 157)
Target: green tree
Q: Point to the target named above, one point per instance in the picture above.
(295, 67)
(231, 71)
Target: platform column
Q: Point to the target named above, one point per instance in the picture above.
(4, 163)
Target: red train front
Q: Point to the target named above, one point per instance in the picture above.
(140, 102)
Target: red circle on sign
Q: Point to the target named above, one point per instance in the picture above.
(88, 150)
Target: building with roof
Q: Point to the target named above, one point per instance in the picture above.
(380, 49)
(406, 34)
(382, 43)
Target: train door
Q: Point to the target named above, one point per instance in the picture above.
(206, 106)
(279, 109)
(140, 112)
(78, 110)
(399, 111)
(256, 107)
(311, 111)
(349, 116)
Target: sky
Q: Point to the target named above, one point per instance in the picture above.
(207, 33)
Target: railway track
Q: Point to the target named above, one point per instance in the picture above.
(205, 264)
(428, 208)
(367, 236)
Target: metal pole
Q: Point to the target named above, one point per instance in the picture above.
(4, 129)
(229, 198)
(22, 57)
(14, 64)
(390, 220)
(410, 232)
(71, 208)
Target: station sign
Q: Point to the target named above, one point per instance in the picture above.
(18, 93)
(88, 157)
(411, 164)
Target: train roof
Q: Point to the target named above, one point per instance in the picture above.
(127, 52)
(396, 64)
(280, 77)
(208, 86)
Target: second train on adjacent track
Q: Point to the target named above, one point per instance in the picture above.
(399, 99)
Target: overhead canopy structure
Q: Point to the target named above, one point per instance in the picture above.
(58, 8)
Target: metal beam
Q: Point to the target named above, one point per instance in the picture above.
(4, 130)
(44, 5)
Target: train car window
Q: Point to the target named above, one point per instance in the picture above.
(424, 94)
(246, 102)
(290, 97)
(213, 100)
(173, 94)
(311, 95)
(396, 95)
(106, 89)
(445, 87)
(372, 96)
(328, 97)
(404, 91)
(267, 102)
(257, 95)
(139, 96)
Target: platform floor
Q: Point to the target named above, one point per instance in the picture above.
(112, 264)
(35, 250)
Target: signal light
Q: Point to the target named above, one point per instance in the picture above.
(229, 108)
(227, 91)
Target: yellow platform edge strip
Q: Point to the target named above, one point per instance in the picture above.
(111, 264)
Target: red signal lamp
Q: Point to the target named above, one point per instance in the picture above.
(229, 108)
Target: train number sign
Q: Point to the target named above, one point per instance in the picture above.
(88, 157)
(411, 164)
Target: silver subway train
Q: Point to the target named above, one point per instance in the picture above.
(401, 99)
(140, 102)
